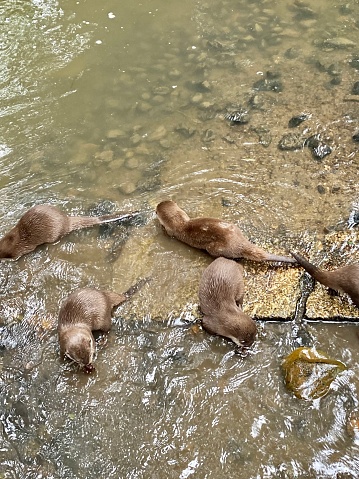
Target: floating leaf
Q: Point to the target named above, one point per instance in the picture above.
(308, 373)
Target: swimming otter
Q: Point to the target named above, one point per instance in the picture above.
(342, 280)
(217, 237)
(221, 292)
(84, 311)
(46, 224)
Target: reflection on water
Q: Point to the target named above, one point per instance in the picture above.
(119, 106)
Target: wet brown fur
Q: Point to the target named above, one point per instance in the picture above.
(45, 224)
(84, 311)
(342, 280)
(217, 237)
(221, 292)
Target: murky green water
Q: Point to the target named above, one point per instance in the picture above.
(116, 107)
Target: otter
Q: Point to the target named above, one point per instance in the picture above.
(46, 224)
(84, 311)
(217, 237)
(221, 292)
(341, 280)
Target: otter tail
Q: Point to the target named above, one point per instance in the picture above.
(317, 273)
(117, 299)
(136, 287)
(78, 222)
(282, 259)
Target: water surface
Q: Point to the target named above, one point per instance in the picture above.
(116, 107)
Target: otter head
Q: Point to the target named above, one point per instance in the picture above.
(77, 344)
(171, 216)
(9, 244)
(244, 332)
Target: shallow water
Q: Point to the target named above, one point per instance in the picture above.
(116, 107)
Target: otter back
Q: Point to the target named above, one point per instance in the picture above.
(221, 293)
(46, 224)
(91, 307)
(217, 237)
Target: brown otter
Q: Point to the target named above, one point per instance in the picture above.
(46, 224)
(221, 292)
(341, 280)
(84, 311)
(217, 237)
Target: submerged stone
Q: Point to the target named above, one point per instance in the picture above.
(239, 116)
(319, 149)
(264, 136)
(268, 84)
(291, 141)
(308, 372)
(297, 120)
(354, 63)
(338, 42)
(355, 89)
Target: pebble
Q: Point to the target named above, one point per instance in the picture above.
(174, 74)
(136, 139)
(128, 188)
(304, 12)
(158, 134)
(85, 151)
(336, 80)
(116, 164)
(208, 135)
(185, 131)
(319, 149)
(240, 116)
(143, 106)
(345, 9)
(161, 90)
(354, 63)
(142, 150)
(197, 98)
(292, 53)
(116, 133)
(264, 136)
(291, 141)
(106, 155)
(256, 102)
(158, 99)
(225, 202)
(132, 163)
(266, 84)
(309, 23)
(297, 120)
(355, 89)
(338, 42)
(356, 136)
(165, 144)
(206, 104)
